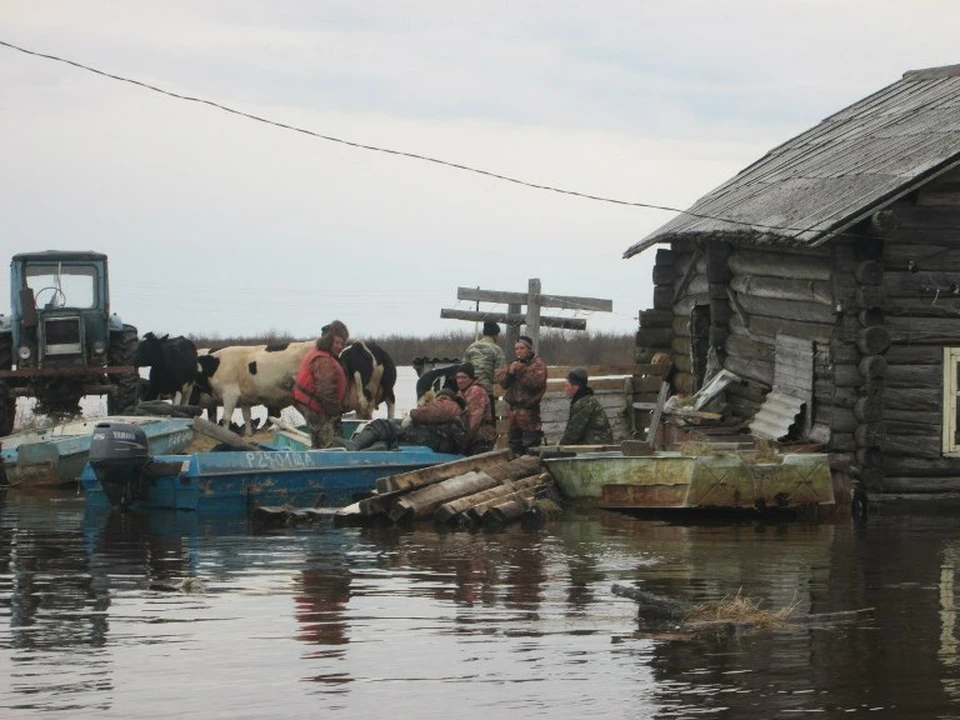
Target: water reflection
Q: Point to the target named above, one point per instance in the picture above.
(160, 614)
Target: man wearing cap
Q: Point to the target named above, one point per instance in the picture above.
(524, 381)
(588, 423)
(477, 416)
(321, 385)
(486, 357)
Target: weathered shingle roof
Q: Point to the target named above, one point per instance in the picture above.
(843, 169)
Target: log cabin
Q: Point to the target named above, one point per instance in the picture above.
(826, 277)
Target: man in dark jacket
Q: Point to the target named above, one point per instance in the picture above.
(588, 423)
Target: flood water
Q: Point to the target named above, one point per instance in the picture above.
(161, 615)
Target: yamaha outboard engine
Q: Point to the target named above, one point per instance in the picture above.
(118, 454)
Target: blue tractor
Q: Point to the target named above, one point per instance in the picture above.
(60, 341)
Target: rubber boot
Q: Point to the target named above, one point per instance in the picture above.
(515, 438)
(532, 438)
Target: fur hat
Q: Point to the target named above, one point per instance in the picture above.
(491, 328)
(329, 332)
(447, 392)
(336, 328)
(578, 376)
(526, 340)
(468, 370)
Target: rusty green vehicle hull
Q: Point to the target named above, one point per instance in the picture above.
(672, 480)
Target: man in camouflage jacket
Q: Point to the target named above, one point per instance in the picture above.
(588, 423)
(486, 357)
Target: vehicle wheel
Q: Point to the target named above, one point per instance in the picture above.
(8, 403)
(8, 410)
(6, 351)
(123, 348)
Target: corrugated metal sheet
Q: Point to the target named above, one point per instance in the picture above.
(774, 418)
(851, 164)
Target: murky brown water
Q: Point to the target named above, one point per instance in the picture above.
(159, 615)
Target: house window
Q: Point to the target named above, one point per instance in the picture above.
(951, 401)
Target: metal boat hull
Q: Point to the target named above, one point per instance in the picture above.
(53, 459)
(672, 480)
(240, 481)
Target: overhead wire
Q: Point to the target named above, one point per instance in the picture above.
(391, 151)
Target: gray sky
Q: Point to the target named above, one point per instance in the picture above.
(218, 224)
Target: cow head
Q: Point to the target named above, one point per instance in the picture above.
(150, 350)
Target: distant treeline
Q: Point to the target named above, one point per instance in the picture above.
(556, 347)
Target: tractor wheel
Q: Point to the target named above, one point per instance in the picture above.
(8, 409)
(8, 403)
(6, 351)
(123, 348)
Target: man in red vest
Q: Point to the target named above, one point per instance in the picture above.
(321, 386)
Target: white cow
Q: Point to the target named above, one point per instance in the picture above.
(242, 376)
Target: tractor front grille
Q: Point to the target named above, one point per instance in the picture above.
(62, 336)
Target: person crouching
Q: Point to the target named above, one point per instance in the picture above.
(481, 432)
(436, 424)
(588, 423)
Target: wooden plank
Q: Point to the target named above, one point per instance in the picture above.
(688, 276)
(780, 288)
(434, 473)
(513, 318)
(562, 302)
(657, 412)
(221, 434)
(779, 264)
(560, 371)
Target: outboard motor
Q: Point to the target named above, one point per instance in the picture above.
(118, 454)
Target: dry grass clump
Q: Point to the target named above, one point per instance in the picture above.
(740, 611)
(765, 450)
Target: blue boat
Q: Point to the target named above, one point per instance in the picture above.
(122, 474)
(52, 459)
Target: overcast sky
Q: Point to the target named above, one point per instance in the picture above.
(215, 223)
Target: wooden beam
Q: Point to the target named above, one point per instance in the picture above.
(533, 312)
(513, 318)
(563, 302)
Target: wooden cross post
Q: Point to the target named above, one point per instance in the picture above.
(534, 300)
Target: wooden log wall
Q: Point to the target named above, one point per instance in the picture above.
(655, 333)
(919, 301)
(771, 292)
(860, 371)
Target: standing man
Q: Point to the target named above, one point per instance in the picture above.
(588, 423)
(477, 416)
(524, 382)
(321, 385)
(486, 357)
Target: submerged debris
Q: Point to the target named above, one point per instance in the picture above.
(738, 610)
(736, 613)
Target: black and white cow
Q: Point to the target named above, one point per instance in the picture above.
(173, 366)
(371, 377)
(242, 376)
(433, 381)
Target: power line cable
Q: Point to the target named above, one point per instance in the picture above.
(390, 151)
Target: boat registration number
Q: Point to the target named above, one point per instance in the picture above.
(278, 460)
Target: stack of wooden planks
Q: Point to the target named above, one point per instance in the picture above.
(487, 490)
